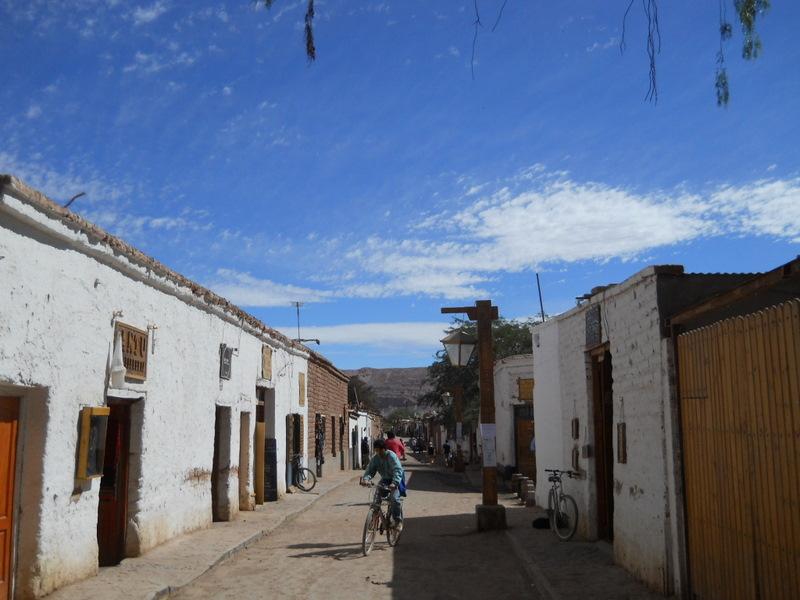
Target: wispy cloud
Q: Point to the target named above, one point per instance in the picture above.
(411, 334)
(147, 14)
(609, 43)
(245, 290)
(153, 62)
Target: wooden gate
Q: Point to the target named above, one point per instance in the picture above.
(739, 385)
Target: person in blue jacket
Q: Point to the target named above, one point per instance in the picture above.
(386, 463)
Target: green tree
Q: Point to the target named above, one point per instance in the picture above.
(508, 338)
(361, 396)
(396, 416)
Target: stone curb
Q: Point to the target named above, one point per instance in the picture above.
(167, 591)
(532, 569)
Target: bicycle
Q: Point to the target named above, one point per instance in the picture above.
(561, 508)
(379, 519)
(302, 478)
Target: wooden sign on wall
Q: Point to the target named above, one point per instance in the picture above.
(302, 383)
(266, 362)
(134, 351)
(525, 390)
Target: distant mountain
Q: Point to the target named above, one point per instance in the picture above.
(396, 388)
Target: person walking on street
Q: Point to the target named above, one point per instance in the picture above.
(364, 450)
(385, 463)
(396, 445)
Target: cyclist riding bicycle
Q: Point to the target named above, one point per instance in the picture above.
(386, 463)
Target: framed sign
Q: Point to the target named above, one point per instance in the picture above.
(92, 441)
(266, 362)
(302, 382)
(134, 351)
(225, 361)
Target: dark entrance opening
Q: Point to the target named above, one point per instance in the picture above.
(220, 474)
(523, 435)
(603, 406)
(112, 512)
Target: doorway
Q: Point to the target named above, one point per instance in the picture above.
(9, 428)
(603, 406)
(245, 502)
(523, 436)
(220, 471)
(112, 511)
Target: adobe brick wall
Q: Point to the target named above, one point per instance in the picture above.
(327, 395)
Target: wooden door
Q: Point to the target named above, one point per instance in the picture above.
(739, 389)
(112, 515)
(603, 405)
(9, 425)
(523, 433)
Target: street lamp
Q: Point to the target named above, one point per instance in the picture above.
(490, 514)
(459, 347)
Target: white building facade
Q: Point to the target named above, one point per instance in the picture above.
(606, 408)
(180, 439)
(513, 412)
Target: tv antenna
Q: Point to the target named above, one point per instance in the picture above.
(297, 304)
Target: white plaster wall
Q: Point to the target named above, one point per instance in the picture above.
(56, 307)
(506, 391)
(547, 408)
(644, 538)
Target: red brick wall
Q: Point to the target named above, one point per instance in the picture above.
(327, 395)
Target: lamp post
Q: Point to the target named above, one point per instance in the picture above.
(490, 515)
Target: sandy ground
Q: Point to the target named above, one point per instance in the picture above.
(318, 554)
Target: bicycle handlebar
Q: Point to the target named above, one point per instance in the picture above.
(569, 474)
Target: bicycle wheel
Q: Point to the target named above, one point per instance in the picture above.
(392, 535)
(370, 530)
(551, 508)
(566, 517)
(306, 480)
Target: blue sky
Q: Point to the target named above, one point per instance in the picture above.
(382, 182)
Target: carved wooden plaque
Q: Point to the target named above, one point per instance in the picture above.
(134, 351)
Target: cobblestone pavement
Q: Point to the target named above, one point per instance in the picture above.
(318, 555)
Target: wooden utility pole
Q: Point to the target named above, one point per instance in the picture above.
(490, 514)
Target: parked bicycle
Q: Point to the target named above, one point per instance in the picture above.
(561, 508)
(302, 478)
(379, 519)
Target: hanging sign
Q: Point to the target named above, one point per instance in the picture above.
(134, 351)
(225, 361)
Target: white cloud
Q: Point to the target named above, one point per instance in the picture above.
(61, 185)
(245, 290)
(34, 111)
(153, 63)
(610, 43)
(227, 91)
(411, 334)
(453, 51)
(148, 14)
(549, 218)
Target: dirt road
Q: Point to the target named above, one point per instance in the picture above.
(318, 554)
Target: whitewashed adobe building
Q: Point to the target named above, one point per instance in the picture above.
(513, 414)
(182, 421)
(606, 407)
